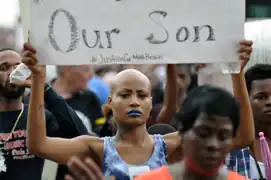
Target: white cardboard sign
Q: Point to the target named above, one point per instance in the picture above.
(70, 32)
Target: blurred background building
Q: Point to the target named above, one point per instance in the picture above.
(258, 9)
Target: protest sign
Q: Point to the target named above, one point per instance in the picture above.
(69, 32)
(25, 17)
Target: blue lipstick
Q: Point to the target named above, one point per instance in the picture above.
(134, 113)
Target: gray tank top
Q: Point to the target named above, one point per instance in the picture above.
(113, 165)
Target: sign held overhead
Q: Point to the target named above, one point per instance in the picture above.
(68, 32)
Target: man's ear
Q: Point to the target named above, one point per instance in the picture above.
(151, 103)
(109, 102)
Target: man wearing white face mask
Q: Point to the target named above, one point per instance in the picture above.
(15, 160)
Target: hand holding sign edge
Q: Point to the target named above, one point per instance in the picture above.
(29, 58)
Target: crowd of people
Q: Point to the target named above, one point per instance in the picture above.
(125, 122)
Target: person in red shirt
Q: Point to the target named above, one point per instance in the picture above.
(164, 173)
(208, 122)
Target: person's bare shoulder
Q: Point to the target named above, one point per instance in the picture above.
(173, 142)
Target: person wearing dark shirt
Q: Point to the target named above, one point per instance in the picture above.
(69, 123)
(15, 160)
(71, 84)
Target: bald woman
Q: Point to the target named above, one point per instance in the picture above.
(130, 152)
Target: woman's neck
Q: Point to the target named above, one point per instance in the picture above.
(137, 135)
(190, 175)
(180, 171)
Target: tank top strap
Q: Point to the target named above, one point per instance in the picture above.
(110, 155)
(108, 145)
(160, 149)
